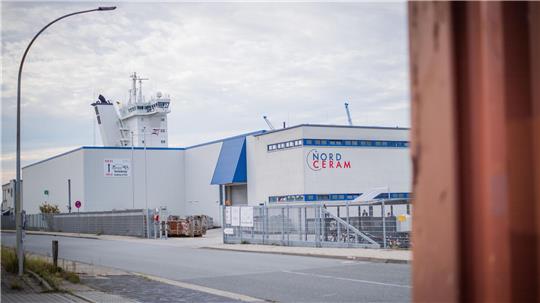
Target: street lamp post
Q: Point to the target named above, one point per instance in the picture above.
(18, 208)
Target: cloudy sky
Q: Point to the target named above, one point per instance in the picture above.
(225, 65)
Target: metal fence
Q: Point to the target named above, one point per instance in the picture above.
(372, 225)
(131, 222)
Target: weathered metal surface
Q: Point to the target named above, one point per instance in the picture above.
(534, 19)
(435, 237)
(474, 73)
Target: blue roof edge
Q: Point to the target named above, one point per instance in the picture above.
(332, 125)
(142, 148)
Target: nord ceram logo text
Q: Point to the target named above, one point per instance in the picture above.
(325, 160)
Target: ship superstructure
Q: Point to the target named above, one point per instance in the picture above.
(136, 123)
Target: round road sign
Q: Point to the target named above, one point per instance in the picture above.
(78, 204)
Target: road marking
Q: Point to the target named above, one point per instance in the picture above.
(346, 279)
(213, 291)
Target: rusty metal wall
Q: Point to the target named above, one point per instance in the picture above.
(476, 150)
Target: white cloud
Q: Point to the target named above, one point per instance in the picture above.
(224, 64)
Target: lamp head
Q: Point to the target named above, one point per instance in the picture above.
(106, 8)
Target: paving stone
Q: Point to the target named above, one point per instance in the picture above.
(101, 297)
(41, 298)
(148, 291)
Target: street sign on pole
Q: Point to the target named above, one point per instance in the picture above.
(78, 205)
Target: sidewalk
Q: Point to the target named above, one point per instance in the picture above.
(31, 289)
(360, 254)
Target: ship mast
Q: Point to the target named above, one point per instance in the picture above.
(133, 91)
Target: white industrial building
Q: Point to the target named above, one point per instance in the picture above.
(299, 164)
(302, 164)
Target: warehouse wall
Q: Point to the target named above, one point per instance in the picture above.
(370, 166)
(165, 180)
(52, 175)
(200, 196)
(277, 172)
(286, 171)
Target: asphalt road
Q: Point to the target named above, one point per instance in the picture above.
(266, 276)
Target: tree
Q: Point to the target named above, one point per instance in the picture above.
(47, 208)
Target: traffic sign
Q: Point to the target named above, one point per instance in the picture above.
(78, 204)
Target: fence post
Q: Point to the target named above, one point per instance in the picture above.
(299, 224)
(348, 224)
(322, 217)
(240, 222)
(318, 220)
(316, 225)
(223, 223)
(288, 226)
(383, 224)
(55, 253)
(266, 216)
(263, 224)
(282, 226)
(306, 223)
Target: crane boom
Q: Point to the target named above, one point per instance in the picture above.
(348, 113)
(268, 123)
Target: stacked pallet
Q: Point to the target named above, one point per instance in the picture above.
(192, 226)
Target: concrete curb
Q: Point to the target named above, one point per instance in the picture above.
(354, 258)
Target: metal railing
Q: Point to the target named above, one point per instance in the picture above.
(378, 224)
(131, 222)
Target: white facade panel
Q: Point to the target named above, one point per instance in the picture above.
(362, 169)
(51, 176)
(201, 197)
(274, 173)
(161, 174)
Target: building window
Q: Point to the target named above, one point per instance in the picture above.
(162, 141)
(337, 143)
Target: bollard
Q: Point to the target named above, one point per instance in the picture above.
(55, 253)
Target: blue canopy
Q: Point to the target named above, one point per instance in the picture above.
(231, 166)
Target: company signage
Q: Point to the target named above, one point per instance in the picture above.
(116, 168)
(326, 160)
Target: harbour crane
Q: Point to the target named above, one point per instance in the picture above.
(268, 123)
(348, 114)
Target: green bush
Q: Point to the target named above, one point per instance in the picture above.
(47, 208)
